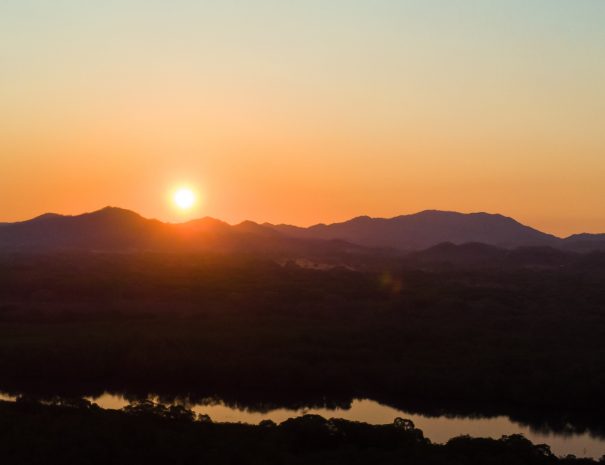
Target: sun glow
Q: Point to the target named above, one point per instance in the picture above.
(184, 198)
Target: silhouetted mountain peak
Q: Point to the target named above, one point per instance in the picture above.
(585, 236)
(113, 228)
(361, 219)
(249, 223)
(46, 216)
(207, 222)
(109, 228)
(113, 213)
(254, 228)
(425, 229)
(584, 242)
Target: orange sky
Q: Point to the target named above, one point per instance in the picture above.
(303, 112)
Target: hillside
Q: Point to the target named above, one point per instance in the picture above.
(116, 229)
(427, 229)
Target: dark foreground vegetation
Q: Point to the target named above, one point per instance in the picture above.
(523, 342)
(81, 433)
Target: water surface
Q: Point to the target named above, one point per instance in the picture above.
(437, 429)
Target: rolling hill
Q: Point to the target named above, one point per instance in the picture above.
(116, 229)
(427, 229)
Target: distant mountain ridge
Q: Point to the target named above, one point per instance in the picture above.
(430, 228)
(426, 229)
(116, 229)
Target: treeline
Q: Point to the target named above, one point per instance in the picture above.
(81, 433)
(527, 343)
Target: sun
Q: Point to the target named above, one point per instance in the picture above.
(184, 198)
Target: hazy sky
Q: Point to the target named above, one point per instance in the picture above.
(305, 111)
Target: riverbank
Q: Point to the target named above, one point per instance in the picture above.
(76, 432)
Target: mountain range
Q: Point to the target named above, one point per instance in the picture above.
(426, 229)
(116, 229)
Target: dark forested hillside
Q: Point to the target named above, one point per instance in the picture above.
(143, 433)
(516, 341)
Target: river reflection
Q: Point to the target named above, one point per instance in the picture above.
(437, 429)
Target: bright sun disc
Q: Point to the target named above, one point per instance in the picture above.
(184, 198)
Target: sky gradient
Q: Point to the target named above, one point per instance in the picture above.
(305, 111)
